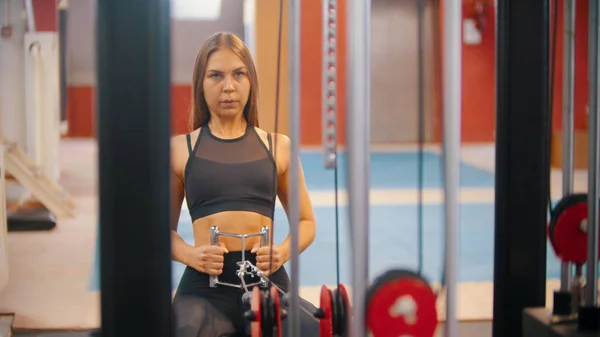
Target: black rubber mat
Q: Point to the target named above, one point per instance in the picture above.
(30, 220)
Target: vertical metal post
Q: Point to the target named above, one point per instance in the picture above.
(329, 90)
(133, 58)
(567, 150)
(451, 150)
(522, 159)
(30, 15)
(568, 118)
(294, 16)
(264, 240)
(591, 288)
(359, 114)
(63, 8)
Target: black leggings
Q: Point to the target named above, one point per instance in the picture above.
(201, 311)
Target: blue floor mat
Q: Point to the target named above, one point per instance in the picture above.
(392, 170)
(393, 243)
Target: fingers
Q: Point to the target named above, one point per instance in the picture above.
(267, 250)
(214, 250)
(209, 259)
(267, 258)
(222, 245)
(266, 267)
(255, 248)
(213, 268)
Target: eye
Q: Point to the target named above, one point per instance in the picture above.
(214, 75)
(239, 73)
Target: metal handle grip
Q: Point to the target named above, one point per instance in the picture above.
(214, 241)
(264, 240)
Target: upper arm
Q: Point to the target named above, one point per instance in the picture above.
(178, 160)
(284, 184)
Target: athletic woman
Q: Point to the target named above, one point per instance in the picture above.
(230, 173)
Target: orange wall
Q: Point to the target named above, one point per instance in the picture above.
(267, 20)
(266, 53)
(311, 59)
(478, 89)
(479, 81)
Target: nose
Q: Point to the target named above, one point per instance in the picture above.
(228, 85)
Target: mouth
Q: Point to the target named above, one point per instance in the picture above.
(228, 101)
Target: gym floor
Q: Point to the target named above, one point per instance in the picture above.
(53, 275)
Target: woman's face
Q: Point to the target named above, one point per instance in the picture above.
(226, 84)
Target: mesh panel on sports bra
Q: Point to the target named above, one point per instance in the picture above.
(244, 149)
(230, 175)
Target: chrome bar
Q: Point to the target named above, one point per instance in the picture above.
(451, 153)
(568, 119)
(294, 16)
(264, 232)
(591, 288)
(30, 15)
(358, 147)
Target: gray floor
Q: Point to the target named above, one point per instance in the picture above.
(467, 329)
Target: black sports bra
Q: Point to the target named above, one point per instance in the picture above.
(230, 174)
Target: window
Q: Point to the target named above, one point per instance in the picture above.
(195, 9)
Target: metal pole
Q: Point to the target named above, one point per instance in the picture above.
(329, 90)
(566, 281)
(568, 119)
(63, 8)
(30, 15)
(134, 163)
(451, 150)
(591, 288)
(294, 16)
(359, 113)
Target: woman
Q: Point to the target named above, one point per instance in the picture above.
(230, 172)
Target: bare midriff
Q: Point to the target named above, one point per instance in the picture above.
(236, 222)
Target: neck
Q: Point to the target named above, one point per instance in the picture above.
(227, 128)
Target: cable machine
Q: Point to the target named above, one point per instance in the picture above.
(573, 226)
(397, 283)
(133, 117)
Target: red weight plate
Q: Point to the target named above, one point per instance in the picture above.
(564, 203)
(326, 323)
(255, 306)
(347, 310)
(402, 307)
(276, 309)
(570, 240)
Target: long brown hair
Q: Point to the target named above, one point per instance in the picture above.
(199, 114)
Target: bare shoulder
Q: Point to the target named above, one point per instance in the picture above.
(179, 150)
(279, 139)
(284, 140)
(281, 145)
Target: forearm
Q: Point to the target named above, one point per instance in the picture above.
(306, 234)
(179, 248)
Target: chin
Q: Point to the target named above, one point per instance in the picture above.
(228, 114)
